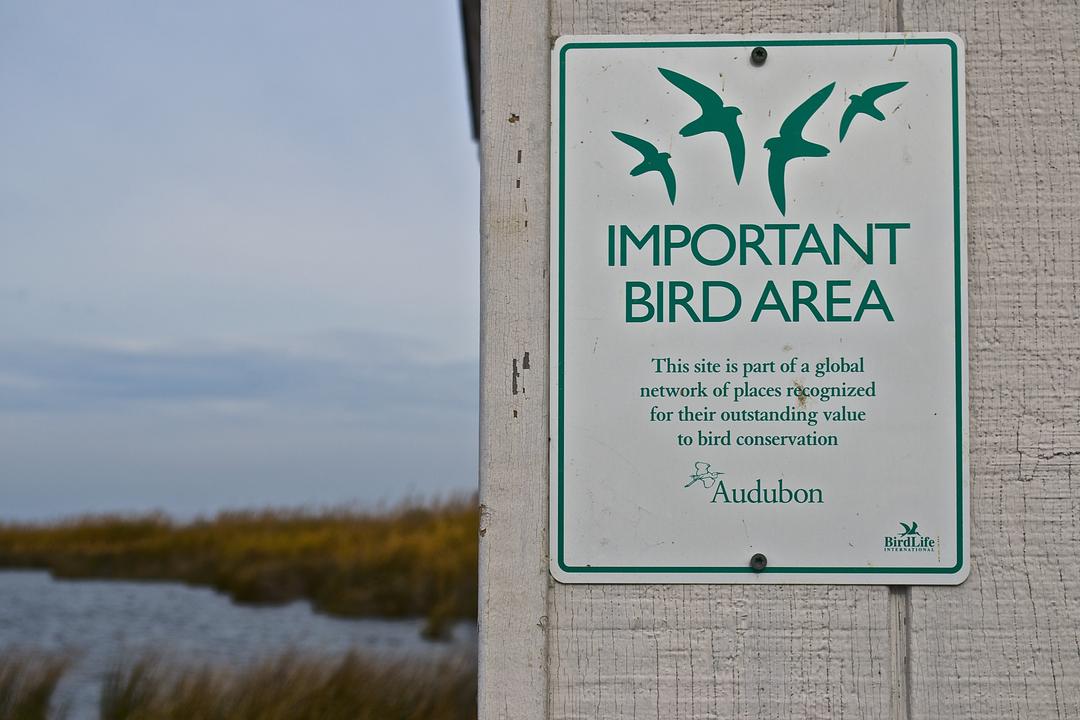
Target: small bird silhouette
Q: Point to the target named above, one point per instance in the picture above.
(715, 117)
(912, 529)
(790, 144)
(864, 104)
(653, 161)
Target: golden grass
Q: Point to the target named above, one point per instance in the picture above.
(288, 687)
(294, 687)
(413, 560)
(27, 684)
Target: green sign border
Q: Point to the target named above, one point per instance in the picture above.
(957, 299)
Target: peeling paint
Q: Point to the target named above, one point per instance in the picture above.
(801, 398)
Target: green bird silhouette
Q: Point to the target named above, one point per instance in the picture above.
(652, 161)
(864, 104)
(790, 144)
(912, 529)
(715, 117)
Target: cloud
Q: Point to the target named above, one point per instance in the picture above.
(192, 428)
(359, 374)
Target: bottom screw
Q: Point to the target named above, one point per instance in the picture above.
(758, 562)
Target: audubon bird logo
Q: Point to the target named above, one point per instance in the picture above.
(790, 144)
(704, 474)
(715, 117)
(864, 104)
(652, 161)
(909, 530)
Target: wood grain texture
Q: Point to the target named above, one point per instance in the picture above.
(513, 360)
(665, 651)
(645, 17)
(1007, 643)
(719, 651)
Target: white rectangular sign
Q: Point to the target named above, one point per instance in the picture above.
(758, 309)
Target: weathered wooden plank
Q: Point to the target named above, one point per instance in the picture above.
(1003, 645)
(513, 364)
(699, 651)
(1007, 643)
(711, 651)
(603, 17)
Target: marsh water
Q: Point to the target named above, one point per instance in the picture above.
(102, 623)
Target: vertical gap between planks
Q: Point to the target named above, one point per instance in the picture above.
(900, 651)
(891, 14)
(899, 595)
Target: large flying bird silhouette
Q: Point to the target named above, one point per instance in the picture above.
(790, 144)
(652, 161)
(864, 104)
(715, 117)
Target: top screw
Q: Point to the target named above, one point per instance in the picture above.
(758, 56)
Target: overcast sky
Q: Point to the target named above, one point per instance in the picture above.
(238, 255)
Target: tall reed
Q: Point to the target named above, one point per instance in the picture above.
(294, 687)
(27, 684)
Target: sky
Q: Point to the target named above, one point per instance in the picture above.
(239, 256)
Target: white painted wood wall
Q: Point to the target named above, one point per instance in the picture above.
(1006, 644)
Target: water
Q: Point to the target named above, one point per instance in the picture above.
(102, 623)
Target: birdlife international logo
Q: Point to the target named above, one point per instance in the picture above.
(909, 539)
(719, 117)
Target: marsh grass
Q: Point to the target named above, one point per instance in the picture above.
(415, 560)
(294, 687)
(27, 684)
